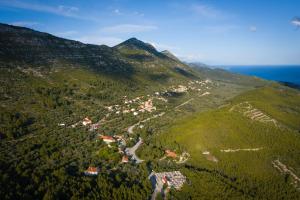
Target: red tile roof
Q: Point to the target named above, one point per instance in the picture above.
(125, 159)
(171, 154)
(106, 137)
(92, 169)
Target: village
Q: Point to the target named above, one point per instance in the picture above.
(146, 105)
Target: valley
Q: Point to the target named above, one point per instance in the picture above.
(82, 121)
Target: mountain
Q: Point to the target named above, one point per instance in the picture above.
(228, 134)
(24, 46)
(170, 55)
(135, 44)
(58, 72)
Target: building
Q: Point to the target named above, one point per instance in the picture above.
(91, 171)
(107, 139)
(172, 179)
(125, 159)
(118, 137)
(86, 121)
(170, 154)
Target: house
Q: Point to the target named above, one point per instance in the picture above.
(170, 153)
(86, 121)
(118, 137)
(92, 171)
(125, 159)
(107, 139)
(135, 113)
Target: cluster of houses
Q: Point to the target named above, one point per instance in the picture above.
(178, 158)
(145, 103)
(180, 89)
(93, 171)
(206, 84)
(133, 106)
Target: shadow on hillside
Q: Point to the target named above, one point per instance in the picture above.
(184, 72)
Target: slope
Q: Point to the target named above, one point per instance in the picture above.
(247, 149)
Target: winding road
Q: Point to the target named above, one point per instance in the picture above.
(131, 151)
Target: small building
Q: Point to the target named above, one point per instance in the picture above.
(91, 171)
(125, 159)
(86, 121)
(118, 137)
(135, 113)
(107, 139)
(170, 154)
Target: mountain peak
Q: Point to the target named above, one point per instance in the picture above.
(134, 43)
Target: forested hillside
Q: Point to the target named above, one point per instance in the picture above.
(69, 107)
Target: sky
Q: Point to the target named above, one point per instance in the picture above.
(215, 32)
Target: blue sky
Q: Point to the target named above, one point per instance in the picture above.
(217, 32)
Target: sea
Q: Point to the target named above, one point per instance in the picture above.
(284, 73)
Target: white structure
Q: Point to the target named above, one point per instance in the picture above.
(86, 121)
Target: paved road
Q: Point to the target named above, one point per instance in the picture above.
(158, 185)
(130, 128)
(131, 151)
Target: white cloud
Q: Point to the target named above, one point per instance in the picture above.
(62, 10)
(117, 11)
(162, 47)
(138, 14)
(206, 11)
(25, 23)
(128, 28)
(296, 22)
(96, 39)
(190, 57)
(252, 28)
